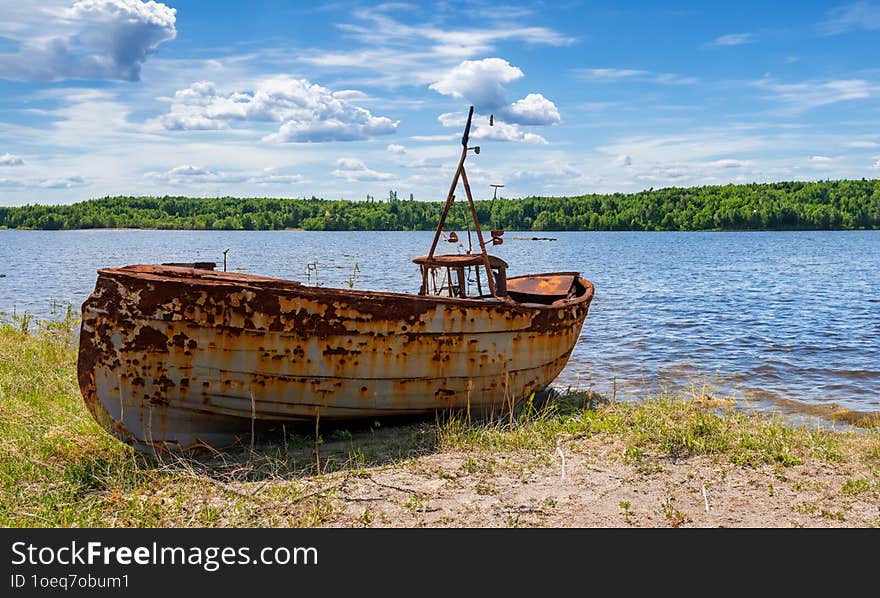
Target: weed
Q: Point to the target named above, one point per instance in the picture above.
(366, 518)
(625, 507)
(805, 508)
(319, 511)
(836, 515)
(484, 488)
(675, 517)
(355, 274)
(210, 514)
(632, 454)
(417, 502)
(854, 487)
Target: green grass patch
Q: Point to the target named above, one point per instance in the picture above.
(665, 427)
(854, 487)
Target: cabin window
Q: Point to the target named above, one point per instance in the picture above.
(463, 282)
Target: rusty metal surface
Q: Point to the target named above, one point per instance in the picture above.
(456, 260)
(197, 265)
(543, 284)
(175, 357)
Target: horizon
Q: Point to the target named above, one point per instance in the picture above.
(438, 200)
(291, 100)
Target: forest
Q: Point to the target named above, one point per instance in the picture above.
(840, 204)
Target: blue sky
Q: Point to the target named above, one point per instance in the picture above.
(345, 99)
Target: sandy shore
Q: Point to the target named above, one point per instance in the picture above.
(596, 487)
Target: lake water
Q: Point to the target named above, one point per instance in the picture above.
(776, 320)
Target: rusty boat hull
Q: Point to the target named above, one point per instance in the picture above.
(172, 358)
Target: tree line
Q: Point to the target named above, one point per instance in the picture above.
(843, 204)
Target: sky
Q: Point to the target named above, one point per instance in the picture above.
(342, 100)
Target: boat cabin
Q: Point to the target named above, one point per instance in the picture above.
(462, 276)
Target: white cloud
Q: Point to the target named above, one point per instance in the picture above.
(876, 164)
(806, 95)
(665, 174)
(674, 79)
(383, 29)
(665, 170)
(93, 39)
(193, 174)
(733, 39)
(307, 112)
(862, 144)
(395, 148)
(502, 131)
(392, 52)
(435, 137)
(278, 179)
(430, 163)
(182, 121)
(350, 94)
(821, 160)
(453, 119)
(10, 160)
(852, 17)
(534, 109)
(200, 93)
(188, 174)
(362, 125)
(613, 75)
(63, 182)
(354, 170)
(623, 160)
(700, 145)
(729, 163)
(45, 183)
(482, 83)
(350, 164)
(540, 177)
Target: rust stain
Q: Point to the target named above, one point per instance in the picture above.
(557, 285)
(173, 357)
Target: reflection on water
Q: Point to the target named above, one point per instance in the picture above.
(762, 317)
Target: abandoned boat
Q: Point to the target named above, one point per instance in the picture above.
(173, 357)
